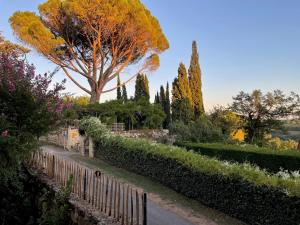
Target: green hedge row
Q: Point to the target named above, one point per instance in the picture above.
(240, 190)
(273, 161)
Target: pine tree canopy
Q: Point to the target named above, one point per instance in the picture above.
(96, 39)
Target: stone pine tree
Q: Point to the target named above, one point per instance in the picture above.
(124, 93)
(167, 107)
(142, 87)
(182, 108)
(119, 92)
(95, 39)
(196, 83)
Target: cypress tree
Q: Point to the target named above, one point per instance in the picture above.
(182, 108)
(196, 83)
(167, 108)
(157, 98)
(119, 93)
(146, 87)
(162, 96)
(141, 87)
(124, 93)
(184, 90)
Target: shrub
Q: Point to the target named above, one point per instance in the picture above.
(271, 160)
(279, 144)
(240, 190)
(228, 121)
(200, 131)
(29, 108)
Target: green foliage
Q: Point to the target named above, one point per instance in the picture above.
(167, 108)
(226, 120)
(181, 88)
(135, 114)
(235, 189)
(266, 158)
(56, 207)
(157, 98)
(163, 98)
(195, 83)
(24, 199)
(119, 93)
(141, 87)
(29, 108)
(201, 130)
(182, 108)
(182, 111)
(93, 127)
(124, 93)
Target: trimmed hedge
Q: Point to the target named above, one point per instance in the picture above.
(240, 190)
(268, 159)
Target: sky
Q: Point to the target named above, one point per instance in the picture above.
(243, 45)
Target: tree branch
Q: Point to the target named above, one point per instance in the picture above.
(75, 82)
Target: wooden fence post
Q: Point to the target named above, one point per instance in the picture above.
(84, 185)
(53, 166)
(131, 207)
(145, 209)
(137, 205)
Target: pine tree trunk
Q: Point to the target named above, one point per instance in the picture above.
(298, 145)
(95, 97)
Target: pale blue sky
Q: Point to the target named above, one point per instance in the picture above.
(243, 44)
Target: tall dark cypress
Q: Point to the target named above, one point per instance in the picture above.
(124, 93)
(196, 83)
(168, 108)
(157, 98)
(119, 93)
(162, 96)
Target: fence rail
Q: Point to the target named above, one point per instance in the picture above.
(105, 193)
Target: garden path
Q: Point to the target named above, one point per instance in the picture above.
(165, 207)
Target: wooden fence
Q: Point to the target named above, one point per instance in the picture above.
(105, 193)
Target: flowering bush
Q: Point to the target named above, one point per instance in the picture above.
(29, 107)
(95, 129)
